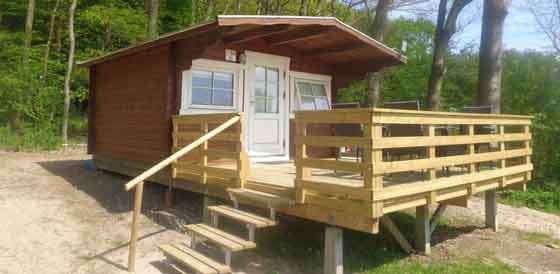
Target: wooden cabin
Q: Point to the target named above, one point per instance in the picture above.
(241, 108)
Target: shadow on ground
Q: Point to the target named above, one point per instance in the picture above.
(295, 240)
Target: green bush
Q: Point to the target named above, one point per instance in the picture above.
(542, 194)
(31, 137)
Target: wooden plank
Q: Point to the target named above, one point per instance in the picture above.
(356, 167)
(134, 226)
(394, 116)
(421, 141)
(447, 182)
(340, 191)
(411, 165)
(338, 116)
(242, 216)
(221, 172)
(221, 268)
(187, 260)
(333, 141)
(349, 206)
(221, 238)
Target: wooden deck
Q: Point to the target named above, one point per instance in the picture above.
(474, 153)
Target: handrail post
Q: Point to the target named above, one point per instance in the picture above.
(243, 159)
(134, 225)
(301, 153)
(204, 149)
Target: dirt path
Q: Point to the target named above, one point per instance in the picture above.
(58, 217)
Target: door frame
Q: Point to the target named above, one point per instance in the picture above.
(253, 58)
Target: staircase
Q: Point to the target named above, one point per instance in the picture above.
(183, 256)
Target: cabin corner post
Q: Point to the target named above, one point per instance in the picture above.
(243, 168)
(302, 172)
(373, 159)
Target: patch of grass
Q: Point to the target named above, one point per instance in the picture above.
(542, 194)
(30, 138)
(539, 238)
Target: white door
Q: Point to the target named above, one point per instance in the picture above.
(267, 104)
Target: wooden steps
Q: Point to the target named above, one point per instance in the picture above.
(194, 260)
(271, 200)
(223, 239)
(242, 216)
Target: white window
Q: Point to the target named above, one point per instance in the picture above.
(312, 95)
(211, 86)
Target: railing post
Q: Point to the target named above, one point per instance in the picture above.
(502, 161)
(174, 148)
(527, 130)
(373, 158)
(204, 158)
(301, 153)
(471, 151)
(134, 225)
(243, 159)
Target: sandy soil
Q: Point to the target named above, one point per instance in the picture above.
(56, 216)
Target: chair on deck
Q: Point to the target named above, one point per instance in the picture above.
(396, 130)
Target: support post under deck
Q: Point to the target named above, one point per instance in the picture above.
(332, 263)
(207, 201)
(423, 229)
(491, 209)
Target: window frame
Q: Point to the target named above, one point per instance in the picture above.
(213, 66)
(296, 100)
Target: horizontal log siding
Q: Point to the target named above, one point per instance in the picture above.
(129, 107)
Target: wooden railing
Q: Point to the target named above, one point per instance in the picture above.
(222, 160)
(226, 122)
(486, 160)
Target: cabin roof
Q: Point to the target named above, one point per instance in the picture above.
(324, 38)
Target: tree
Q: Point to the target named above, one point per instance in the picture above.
(491, 54)
(28, 29)
(547, 16)
(70, 65)
(445, 28)
(303, 7)
(50, 37)
(377, 31)
(153, 22)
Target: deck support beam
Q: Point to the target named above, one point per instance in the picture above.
(168, 197)
(491, 209)
(436, 217)
(399, 237)
(423, 229)
(333, 263)
(206, 202)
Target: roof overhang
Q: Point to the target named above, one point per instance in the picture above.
(326, 39)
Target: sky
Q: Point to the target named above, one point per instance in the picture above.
(520, 30)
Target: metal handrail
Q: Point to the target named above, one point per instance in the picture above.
(167, 161)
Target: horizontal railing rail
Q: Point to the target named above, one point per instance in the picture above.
(488, 151)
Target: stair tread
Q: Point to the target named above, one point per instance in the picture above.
(243, 216)
(222, 238)
(192, 259)
(271, 199)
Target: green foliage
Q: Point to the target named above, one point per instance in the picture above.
(542, 194)
(31, 137)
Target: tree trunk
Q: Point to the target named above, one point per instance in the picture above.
(491, 54)
(68, 75)
(153, 22)
(49, 39)
(28, 30)
(238, 7)
(209, 9)
(377, 32)
(59, 30)
(333, 8)
(303, 7)
(446, 27)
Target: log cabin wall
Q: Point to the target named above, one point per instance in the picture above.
(130, 119)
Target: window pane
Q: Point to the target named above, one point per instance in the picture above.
(260, 73)
(201, 96)
(201, 79)
(272, 75)
(260, 106)
(308, 103)
(322, 103)
(318, 90)
(271, 105)
(259, 88)
(223, 80)
(223, 97)
(272, 90)
(304, 88)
